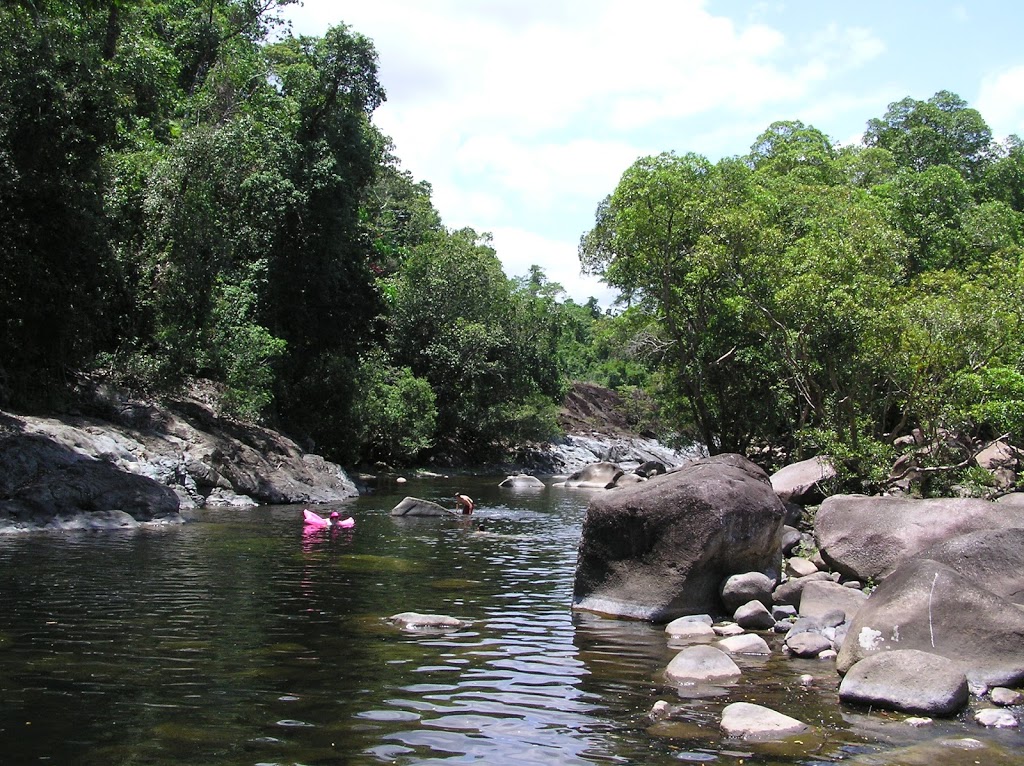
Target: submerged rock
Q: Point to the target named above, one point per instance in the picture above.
(522, 481)
(414, 621)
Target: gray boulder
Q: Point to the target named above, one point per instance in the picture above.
(747, 586)
(746, 721)
(659, 550)
(791, 591)
(791, 538)
(994, 558)
(820, 598)
(754, 616)
(651, 468)
(801, 482)
(690, 628)
(702, 664)
(595, 476)
(522, 481)
(414, 506)
(626, 479)
(865, 538)
(807, 644)
(995, 718)
(928, 606)
(746, 643)
(907, 680)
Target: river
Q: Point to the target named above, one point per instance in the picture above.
(237, 640)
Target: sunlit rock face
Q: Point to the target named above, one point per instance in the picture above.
(661, 549)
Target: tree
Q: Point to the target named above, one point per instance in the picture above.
(940, 131)
(790, 148)
(674, 234)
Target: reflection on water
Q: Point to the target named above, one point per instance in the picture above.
(241, 640)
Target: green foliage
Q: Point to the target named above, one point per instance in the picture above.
(991, 400)
(243, 352)
(396, 412)
(824, 300)
(940, 131)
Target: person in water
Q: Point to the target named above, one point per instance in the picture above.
(335, 518)
(464, 503)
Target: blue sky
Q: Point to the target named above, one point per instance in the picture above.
(523, 114)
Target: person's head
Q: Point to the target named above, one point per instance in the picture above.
(335, 514)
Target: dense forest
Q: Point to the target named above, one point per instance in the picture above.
(189, 191)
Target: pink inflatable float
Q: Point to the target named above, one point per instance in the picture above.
(311, 519)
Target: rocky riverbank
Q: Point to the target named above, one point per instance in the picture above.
(119, 461)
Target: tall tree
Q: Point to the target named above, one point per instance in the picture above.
(943, 130)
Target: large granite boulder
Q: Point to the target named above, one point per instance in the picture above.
(929, 606)
(994, 558)
(865, 538)
(659, 550)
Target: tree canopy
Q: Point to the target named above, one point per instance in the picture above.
(813, 297)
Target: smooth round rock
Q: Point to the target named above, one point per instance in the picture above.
(686, 629)
(807, 645)
(1005, 697)
(748, 643)
(702, 664)
(754, 615)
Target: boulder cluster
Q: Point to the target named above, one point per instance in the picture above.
(919, 603)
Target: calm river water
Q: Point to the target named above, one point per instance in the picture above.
(238, 641)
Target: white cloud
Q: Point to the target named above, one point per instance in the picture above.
(519, 249)
(523, 114)
(1001, 101)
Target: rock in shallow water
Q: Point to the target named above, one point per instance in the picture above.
(426, 622)
(908, 680)
(746, 721)
(661, 549)
(702, 664)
